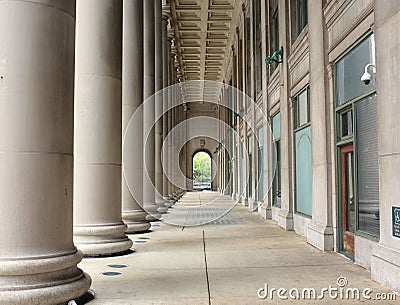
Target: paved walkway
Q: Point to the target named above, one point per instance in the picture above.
(224, 262)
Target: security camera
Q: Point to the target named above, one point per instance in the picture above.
(367, 77)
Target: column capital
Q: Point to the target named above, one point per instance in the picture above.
(166, 12)
(170, 35)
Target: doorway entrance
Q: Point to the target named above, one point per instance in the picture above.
(201, 171)
(348, 214)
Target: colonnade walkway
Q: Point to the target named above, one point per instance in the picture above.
(225, 262)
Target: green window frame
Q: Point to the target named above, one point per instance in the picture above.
(249, 166)
(274, 31)
(301, 16)
(257, 46)
(260, 164)
(276, 138)
(348, 103)
(302, 152)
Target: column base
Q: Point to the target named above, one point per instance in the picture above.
(135, 221)
(385, 266)
(245, 202)
(265, 212)
(102, 240)
(320, 236)
(285, 220)
(253, 205)
(167, 202)
(152, 212)
(162, 209)
(49, 280)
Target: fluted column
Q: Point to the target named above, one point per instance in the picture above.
(159, 200)
(132, 97)
(149, 111)
(165, 60)
(38, 260)
(98, 226)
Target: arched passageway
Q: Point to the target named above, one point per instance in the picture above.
(202, 175)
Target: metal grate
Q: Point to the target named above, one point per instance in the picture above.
(117, 266)
(110, 273)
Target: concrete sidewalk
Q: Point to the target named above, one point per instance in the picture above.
(225, 262)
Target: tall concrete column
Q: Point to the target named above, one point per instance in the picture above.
(243, 105)
(149, 110)
(232, 104)
(285, 216)
(252, 169)
(159, 101)
(239, 107)
(385, 263)
(98, 226)
(37, 256)
(174, 122)
(165, 61)
(169, 117)
(266, 201)
(320, 230)
(132, 97)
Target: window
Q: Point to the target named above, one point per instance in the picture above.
(274, 31)
(303, 166)
(356, 125)
(257, 46)
(260, 174)
(301, 110)
(349, 70)
(300, 14)
(248, 58)
(276, 183)
(250, 167)
(367, 165)
(346, 124)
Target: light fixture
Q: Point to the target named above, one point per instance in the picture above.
(367, 77)
(277, 57)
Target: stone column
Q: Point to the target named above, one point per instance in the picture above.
(385, 263)
(165, 61)
(243, 104)
(285, 216)
(148, 111)
(320, 231)
(266, 202)
(37, 256)
(159, 200)
(175, 121)
(252, 169)
(132, 97)
(98, 226)
(239, 107)
(171, 158)
(232, 104)
(169, 118)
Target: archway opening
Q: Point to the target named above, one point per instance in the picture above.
(202, 171)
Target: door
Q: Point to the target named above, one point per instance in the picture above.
(347, 199)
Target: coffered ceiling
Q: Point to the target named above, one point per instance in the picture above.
(204, 30)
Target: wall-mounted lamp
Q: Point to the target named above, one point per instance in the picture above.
(367, 77)
(277, 57)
